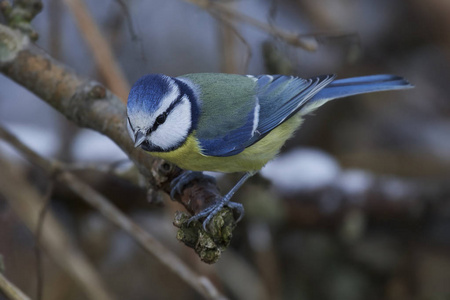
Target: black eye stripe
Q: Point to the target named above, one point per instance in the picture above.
(166, 113)
(174, 103)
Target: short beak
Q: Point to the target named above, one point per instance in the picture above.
(139, 138)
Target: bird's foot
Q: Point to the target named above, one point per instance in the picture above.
(211, 211)
(179, 184)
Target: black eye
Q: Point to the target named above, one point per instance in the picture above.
(161, 118)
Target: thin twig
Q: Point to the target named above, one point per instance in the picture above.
(103, 55)
(128, 18)
(133, 32)
(201, 284)
(26, 201)
(227, 22)
(10, 290)
(37, 249)
(306, 42)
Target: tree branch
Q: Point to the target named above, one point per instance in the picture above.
(306, 42)
(10, 290)
(87, 103)
(103, 55)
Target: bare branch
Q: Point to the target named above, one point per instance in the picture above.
(308, 43)
(230, 26)
(126, 11)
(37, 249)
(86, 103)
(99, 47)
(131, 28)
(10, 290)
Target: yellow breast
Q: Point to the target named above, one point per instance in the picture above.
(253, 158)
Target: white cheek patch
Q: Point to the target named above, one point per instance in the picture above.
(176, 127)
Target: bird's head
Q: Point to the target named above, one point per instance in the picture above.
(161, 112)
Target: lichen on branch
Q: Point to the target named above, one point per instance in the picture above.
(20, 14)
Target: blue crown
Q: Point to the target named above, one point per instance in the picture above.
(146, 93)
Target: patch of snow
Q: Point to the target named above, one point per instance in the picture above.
(259, 236)
(90, 146)
(434, 137)
(302, 169)
(42, 141)
(355, 182)
(395, 188)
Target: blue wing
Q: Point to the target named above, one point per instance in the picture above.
(231, 143)
(276, 98)
(281, 97)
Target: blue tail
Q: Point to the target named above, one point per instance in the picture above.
(360, 85)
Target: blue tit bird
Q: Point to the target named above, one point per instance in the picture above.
(231, 123)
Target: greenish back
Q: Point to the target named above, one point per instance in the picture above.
(226, 102)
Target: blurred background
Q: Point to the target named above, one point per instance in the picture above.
(356, 207)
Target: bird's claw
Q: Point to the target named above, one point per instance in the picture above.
(179, 183)
(211, 211)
